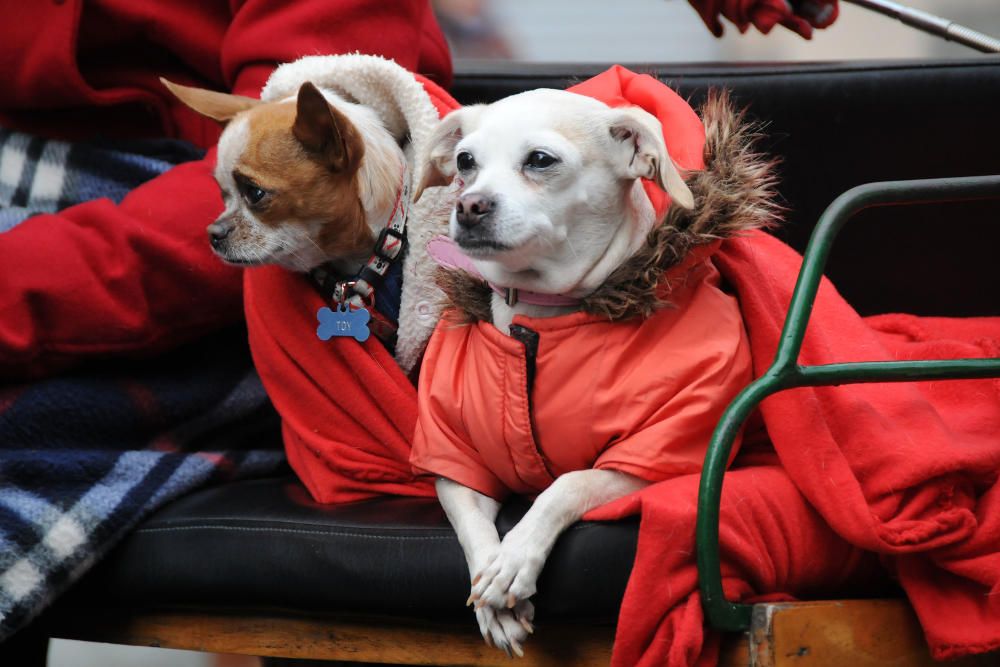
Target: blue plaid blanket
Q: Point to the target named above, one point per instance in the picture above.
(84, 457)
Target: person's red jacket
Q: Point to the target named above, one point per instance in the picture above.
(99, 279)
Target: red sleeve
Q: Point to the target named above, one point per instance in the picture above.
(98, 279)
(404, 30)
(441, 443)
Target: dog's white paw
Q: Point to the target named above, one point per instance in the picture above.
(509, 577)
(507, 629)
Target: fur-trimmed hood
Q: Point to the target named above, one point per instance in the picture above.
(734, 193)
(410, 115)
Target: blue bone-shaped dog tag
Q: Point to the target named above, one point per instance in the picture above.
(343, 323)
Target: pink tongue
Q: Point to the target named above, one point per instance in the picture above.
(446, 253)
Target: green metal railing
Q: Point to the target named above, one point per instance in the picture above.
(785, 373)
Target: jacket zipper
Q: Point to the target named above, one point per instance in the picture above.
(529, 338)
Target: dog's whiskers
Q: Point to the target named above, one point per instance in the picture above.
(286, 245)
(569, 244)
(311, 240)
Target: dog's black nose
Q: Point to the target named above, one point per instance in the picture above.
(217, 233)
(470, 210)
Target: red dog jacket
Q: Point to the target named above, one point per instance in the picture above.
(641, 396)
(502, 413)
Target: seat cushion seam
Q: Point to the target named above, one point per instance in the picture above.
(166, 529)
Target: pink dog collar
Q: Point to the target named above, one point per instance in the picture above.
(446, 253)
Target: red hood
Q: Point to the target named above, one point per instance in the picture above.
(683, 131)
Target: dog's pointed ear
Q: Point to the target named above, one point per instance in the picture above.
(215, 105)
(438, 155)
(325, 131)
(643, 154)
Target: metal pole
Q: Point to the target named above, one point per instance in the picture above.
(932, 24)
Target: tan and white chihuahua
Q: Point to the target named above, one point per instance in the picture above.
(306, 180)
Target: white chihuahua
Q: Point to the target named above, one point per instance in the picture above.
(551, 204)
(551, 200)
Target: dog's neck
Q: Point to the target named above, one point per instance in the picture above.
(503, 315)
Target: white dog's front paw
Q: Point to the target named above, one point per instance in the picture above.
(507, 629)
(509, 577)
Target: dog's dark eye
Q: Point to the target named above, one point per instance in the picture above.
(252, 194)
(465, 161)
(540, 160)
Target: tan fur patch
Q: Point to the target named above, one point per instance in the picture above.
(303, 190)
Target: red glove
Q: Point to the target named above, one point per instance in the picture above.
(800, 16)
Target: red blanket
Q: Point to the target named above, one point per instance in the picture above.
(907, 472)
(860, 476)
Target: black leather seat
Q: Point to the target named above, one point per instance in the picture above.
(265, 543)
